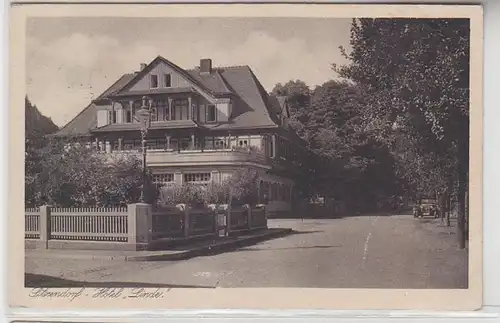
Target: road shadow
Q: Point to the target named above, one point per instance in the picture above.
(39, 281)
(325, 214)
(245, 243)
(285, 248)
(184, 245)
(296, 232)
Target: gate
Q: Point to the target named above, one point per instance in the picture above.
(221, 221)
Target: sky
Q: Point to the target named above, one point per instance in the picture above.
(72, 60)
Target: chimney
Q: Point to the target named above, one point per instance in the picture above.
(206, 65)
(143, 66)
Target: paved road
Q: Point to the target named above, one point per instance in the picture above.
(354, 252)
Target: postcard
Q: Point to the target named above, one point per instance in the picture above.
(246, 156)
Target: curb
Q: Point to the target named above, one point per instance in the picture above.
(211, 249)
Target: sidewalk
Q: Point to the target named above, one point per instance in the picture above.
(438, 227)
(201, 248)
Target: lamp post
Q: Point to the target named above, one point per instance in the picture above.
(144, 118)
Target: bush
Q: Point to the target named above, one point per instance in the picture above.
(192, 195)
(241, 188)
(78, 176)
(217, 193)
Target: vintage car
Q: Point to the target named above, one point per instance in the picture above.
(428, 207)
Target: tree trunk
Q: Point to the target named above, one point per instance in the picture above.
(448, 211)
(461, 214)
(463, 170)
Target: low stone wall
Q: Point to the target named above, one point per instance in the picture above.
(136, 227)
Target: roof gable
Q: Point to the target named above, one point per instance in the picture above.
(180, 78)
(252, 105)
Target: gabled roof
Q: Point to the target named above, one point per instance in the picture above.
(251, 109)
(252, 106)
(213, 81)
(159, 59)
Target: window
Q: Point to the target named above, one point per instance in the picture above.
(154, 114)
(179, 110)
(167, 80)
(128, 116)
(194, 112)
(209, 142)
(131, 144)
(112, 116)
(156, 143)
(211, 113)
(243, 143)
(162, 178)
(271, 147)
(154, 81)
(174, 144)
(220, 143)
(185, 144)
(136, 105)
(163, 106)
(197, 177)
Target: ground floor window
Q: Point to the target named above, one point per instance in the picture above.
(163, 178)
(197, 178)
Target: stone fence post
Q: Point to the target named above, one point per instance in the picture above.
(228, 220)
(140, 225)
(213, 209)
(44, 223)
(249, 210)
(184, 208)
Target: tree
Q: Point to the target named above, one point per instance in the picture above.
(70, 174)
(298, 96)
(415, 77)
(347, 164)
(37, 126)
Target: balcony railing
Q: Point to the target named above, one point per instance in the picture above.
(164, 157)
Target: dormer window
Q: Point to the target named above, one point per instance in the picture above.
(167, 80)
(154, 81)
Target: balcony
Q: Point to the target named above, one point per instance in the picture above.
(207, 157)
